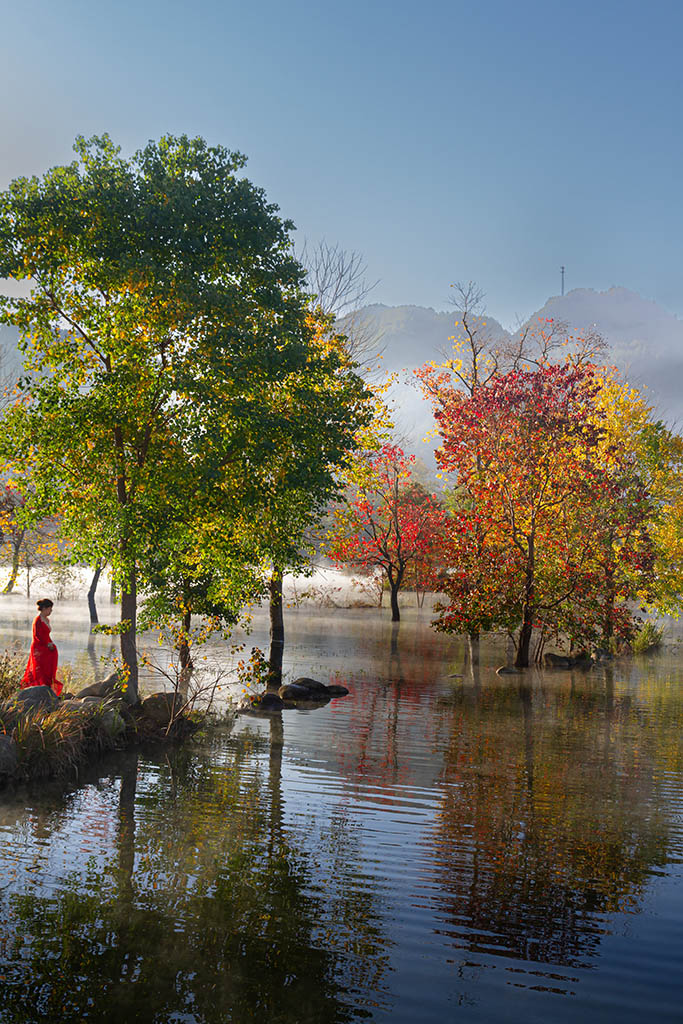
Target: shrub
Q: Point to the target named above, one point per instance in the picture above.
(648, 637)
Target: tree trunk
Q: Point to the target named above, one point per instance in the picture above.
(394, 585)
(277, 631)
(16, 557)
(184, 656)
(473, 647)
(129, 654)
(522, 659)
(91, 595)
(608, 620)
(395, 613)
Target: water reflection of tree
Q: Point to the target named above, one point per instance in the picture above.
(390, 716)
(545, 825)
(208, 908)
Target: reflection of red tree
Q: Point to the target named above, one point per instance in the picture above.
(528, 847)
(385, 721)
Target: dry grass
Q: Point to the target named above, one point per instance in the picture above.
(12, 665)
(57, 743)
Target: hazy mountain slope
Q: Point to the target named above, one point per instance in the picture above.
(408, 336)
(645, 341)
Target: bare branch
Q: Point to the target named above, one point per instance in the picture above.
(336, 277)
(337, 280)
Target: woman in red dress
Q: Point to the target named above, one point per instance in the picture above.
(42, 661)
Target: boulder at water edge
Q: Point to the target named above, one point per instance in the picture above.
(74, 706)
(580, 660)
(292, 691)
(335, 690)
(101, 689)
(161, 708)
(311, 690)
(35, 698)
(109, 718)
(112, 723)
(25, 704)
(265, 703)
(312, 685)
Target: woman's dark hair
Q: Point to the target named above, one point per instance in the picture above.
(45, 602)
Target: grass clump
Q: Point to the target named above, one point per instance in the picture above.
(648, 638)
(57, 743)
(12, 665)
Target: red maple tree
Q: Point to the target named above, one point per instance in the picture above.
(536, 500)
(389, 522)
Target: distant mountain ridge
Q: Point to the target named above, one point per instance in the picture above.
(408, 336)
(645, 342)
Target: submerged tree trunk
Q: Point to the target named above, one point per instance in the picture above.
(129, 654)
(394, 637)
(91, 595)
(528, 609)
(126, 836)
(275, 784)
(473, 647)
(92, 657)
(527, 708)
(184, 655)
(277, 631)
(522, 659)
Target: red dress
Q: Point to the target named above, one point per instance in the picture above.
(42, 660)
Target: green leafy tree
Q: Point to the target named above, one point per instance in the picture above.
(172, 355)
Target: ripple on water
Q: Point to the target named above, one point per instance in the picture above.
(503, 850)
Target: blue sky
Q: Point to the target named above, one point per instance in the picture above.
(492, 141)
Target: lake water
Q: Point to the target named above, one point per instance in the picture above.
(443, 844)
